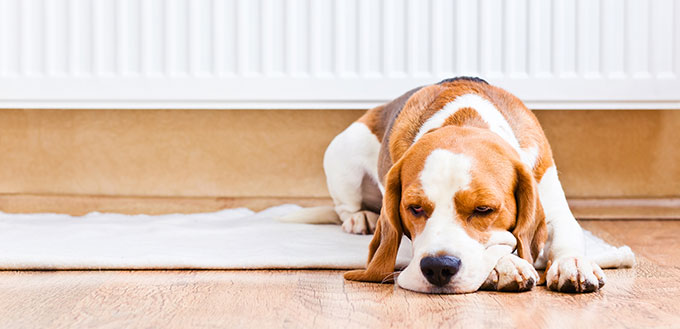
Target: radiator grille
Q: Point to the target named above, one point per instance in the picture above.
(334, 53)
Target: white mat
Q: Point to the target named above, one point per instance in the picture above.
(228, 239)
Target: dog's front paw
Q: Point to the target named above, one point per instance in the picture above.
(361, 222)
(511, 274)
(574, 274)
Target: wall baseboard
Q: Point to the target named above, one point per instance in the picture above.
(585, 209)
(82, 204)
(626, 209)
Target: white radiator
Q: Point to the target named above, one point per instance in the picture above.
(233, 54)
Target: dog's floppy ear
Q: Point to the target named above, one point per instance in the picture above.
(382, 252)
(530, 229)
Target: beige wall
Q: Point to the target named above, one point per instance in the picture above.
(616, 153)
(278, 153)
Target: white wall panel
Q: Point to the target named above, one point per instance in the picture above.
(227, 54)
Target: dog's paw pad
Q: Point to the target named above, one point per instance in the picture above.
(361, 222)
(512, 274)
(574, 275)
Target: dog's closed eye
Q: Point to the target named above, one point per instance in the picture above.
(483, 210)
(416, 210)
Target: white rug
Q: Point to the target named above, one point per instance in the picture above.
(228, 239)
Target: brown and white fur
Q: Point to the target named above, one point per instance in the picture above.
(464, 170)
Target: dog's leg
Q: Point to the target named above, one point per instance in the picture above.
(350, 160)
(568, 269)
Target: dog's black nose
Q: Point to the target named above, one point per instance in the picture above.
(439, 270)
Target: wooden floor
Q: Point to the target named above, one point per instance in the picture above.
(645, 296)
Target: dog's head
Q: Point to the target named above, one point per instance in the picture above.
(465, 199)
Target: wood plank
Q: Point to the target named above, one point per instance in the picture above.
(645, 296)
(654, 240)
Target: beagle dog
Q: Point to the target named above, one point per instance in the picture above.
(463, 169)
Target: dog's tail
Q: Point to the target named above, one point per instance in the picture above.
(313, 215)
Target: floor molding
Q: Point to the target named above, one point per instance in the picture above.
(83, 204)
(626, 209)
(587, 209)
